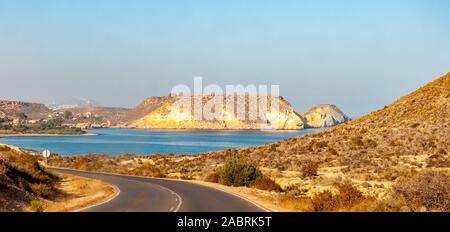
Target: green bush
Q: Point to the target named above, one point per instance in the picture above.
(238, 171)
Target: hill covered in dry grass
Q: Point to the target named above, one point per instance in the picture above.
(23, 180)
(413, 132)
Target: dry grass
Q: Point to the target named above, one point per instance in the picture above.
(27, 186)
(77, 193)
(23, 180)
(430, 190)
(267, 184)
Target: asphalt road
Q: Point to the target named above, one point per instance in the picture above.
(139, 194)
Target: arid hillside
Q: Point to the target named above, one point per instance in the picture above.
(22, 180)
(26, 185)
(413, 132)
(146, 107)
(31, 110)
(108, 116)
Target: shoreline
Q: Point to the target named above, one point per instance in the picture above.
(213, 130)
(45, 135)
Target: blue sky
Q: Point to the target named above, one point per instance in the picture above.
(359, 55)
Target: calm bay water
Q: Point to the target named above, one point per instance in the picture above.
(133, 141)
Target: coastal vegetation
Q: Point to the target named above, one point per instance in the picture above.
(51, 126)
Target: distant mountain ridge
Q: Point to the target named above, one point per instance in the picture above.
(31, 110)
(75, 103)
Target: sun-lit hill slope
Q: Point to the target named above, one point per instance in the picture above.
(429, 105)
(413, 132)
(22, 179)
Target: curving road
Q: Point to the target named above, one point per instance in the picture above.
(139, 194)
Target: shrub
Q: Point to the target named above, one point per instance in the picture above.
(147, 170)
(430, 189)
(4, 148)
(37, 206)
(322, 144)
(357, 141)
(332, 151)
(238, 171)
(324, 201)
(347, 197)
(84, 186)
(267, 184)
(415, 125)
(42, 190)
(309, 168)
(212, 177)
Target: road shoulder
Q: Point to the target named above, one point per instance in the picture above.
(78, 193)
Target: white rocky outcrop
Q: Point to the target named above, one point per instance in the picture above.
(325, 115)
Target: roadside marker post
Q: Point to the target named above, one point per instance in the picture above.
(46, 154)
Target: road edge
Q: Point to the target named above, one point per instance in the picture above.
(106, 200)
(116, 193)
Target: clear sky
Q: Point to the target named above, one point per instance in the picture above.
(359, 55)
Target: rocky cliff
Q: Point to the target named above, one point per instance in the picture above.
(325, 115)
(162, 113)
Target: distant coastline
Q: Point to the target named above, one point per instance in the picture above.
(46, 135)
